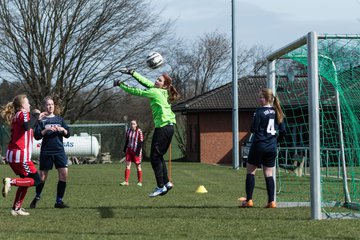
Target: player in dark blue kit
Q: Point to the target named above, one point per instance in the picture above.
(268, 128)
(51, 129)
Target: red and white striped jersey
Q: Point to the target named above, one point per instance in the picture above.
(21, 142)
(134, 138)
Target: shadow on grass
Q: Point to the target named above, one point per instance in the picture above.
(106, 212)
(56, 234)
(255, 213)
(158, 207)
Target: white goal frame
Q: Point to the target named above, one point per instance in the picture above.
(311, 40)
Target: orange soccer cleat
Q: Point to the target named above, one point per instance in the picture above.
(271, 205)
(246, 203)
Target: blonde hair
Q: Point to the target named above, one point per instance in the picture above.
(8, 111)
(57, 108)
(269, 97)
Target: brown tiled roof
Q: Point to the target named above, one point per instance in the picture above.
(220, 99)
(292, 94)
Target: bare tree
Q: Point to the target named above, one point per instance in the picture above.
(252, 61)
(206, 63)
(65, 47)
(210, 61)
(201, 67)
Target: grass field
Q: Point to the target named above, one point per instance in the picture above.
(101, 209)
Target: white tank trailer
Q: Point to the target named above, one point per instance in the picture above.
(83, 145)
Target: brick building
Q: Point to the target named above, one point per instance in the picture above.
(209, 117)
(209, 120)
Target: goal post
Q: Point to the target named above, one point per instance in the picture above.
(318, 103)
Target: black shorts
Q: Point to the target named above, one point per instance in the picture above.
(257, 157)
(47, 161)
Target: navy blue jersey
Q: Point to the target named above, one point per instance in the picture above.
(52, 142)
(265, 129)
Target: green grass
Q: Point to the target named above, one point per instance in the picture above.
(101, 209)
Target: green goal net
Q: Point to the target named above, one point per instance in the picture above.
(339, 129)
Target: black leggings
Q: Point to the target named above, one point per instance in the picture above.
(160, 143)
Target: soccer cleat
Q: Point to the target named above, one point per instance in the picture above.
(60, 205)
(124, 184)
(19, 212)
(169, 185)
(246, 204)
(6, 187)
(241, 199)
(271, 205)
(139, 184)
(34, 202)
(158, 191)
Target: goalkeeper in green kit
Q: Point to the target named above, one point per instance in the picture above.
(160, 94)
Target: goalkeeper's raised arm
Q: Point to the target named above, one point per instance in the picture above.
(160, 93)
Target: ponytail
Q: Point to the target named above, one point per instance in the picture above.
(8, 111)
(269, 97)
(173, 93)
(279, 112)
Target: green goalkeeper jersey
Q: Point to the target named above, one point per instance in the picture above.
(160, 107)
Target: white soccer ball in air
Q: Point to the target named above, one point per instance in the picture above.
(154, 60)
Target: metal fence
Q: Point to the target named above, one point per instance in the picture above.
(109, 139)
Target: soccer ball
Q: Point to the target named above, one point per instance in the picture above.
(154, 60)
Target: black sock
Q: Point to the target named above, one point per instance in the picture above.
(270, 187)
(39, 189)
(60, 190)
(250, 184)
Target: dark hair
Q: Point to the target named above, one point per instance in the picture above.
(269, 97)
(137, 125)
(173, 93)
(8, 111)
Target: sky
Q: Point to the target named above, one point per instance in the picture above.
(270, 23)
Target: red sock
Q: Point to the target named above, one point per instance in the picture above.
(19, 198)
(139, 175)
(127, 175)
(22, 182)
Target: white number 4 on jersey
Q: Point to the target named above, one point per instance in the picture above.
(271, 127)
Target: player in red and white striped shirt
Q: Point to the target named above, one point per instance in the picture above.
(133, 149)
(18, 155)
